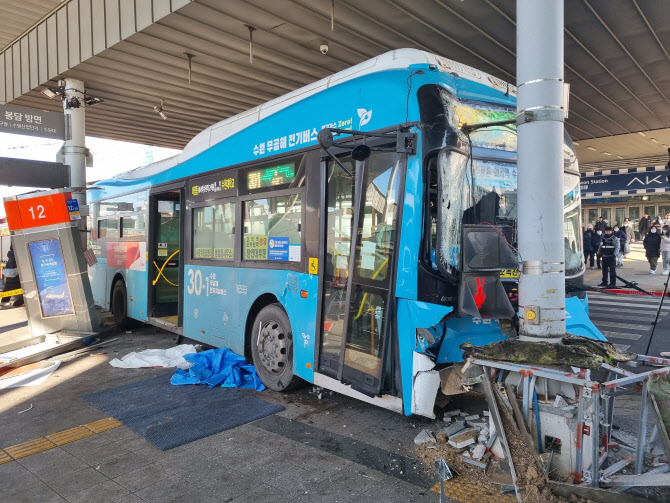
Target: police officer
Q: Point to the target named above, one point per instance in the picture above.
(609, 249)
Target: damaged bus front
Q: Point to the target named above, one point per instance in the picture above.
(467, 285)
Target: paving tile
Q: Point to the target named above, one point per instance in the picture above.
(264, 493)
(101, 493)
(175, 490)
(39, 494)
(29, 448)
(97, 456)
(72, 483)
(123, 464)
(15, 479)
(345, 485)
(52, 464)
(81, 447)
(130, 498)
(143, 477)
(226, 485)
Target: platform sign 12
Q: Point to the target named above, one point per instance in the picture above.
(53, 290)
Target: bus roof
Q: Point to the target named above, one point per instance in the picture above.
(392, 60)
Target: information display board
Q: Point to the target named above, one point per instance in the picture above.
(53, 291)
(270, 177)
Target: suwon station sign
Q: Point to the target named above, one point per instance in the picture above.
(624, 182)
(26, 121)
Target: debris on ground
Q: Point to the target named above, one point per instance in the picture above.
(218, 367)
(156, 358)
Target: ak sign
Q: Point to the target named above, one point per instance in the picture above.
(26, 121)
(624, 181)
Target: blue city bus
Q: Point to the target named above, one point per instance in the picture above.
(304, 233)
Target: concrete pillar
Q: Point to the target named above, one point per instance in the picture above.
(540, 116)
(74, 149)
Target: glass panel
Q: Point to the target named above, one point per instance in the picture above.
(378, 217)
(365, 331)
(108, 228)
(167, 243)
(593, 216)
(651, 210)
(664, 212)
(272, 229)
(619, 215)
(339, 228)
(574, 258)
(214, 232)
(132, 225)
(634, 214)
(606, 213)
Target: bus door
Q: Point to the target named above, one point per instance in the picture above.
(166, 263)
(361, 216)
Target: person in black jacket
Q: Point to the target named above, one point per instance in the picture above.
(652, 247)
(609, 249)
(600, 224)
(12, 282)
(644, 226)
(595, 245)
(589, 251)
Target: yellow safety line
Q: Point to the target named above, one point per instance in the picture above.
(160, 270)
(47, 442)
(365, 295)
(11, 293)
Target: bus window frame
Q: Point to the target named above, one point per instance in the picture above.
(272, 264)
(126, 214)
(189, 228)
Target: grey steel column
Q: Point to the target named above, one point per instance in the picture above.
(540, 118)
(74, 150)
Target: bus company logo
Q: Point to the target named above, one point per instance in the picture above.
(271, 243)
(364, 115)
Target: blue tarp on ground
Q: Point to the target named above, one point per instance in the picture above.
(216, 367)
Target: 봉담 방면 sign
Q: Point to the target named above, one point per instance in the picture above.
(30, 122)
(53, 290)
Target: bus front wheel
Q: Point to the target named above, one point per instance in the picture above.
(272, 348)
(120, 304)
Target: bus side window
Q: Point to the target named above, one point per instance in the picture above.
(214, 232)
(273, 229)
(108, 228)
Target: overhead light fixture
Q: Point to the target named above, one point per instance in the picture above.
(620, 157)
(607, 153)
(159, 110)
(654, 140)
(645, 198)
(52, 92)
(641, 133)
(593, 149)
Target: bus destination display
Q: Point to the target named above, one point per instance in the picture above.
(269, 177)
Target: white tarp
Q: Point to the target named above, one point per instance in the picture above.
(171, 357)
(32, 378)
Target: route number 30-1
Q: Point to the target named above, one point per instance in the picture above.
(40, 211)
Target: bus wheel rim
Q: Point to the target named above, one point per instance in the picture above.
(273, 346)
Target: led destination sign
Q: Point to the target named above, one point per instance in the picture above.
(269, 177)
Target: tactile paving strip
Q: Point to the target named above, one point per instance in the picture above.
(67, 436)
(4, 457)
(466, 490)
(103, 425)
(30, 447)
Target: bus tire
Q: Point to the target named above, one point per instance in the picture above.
(119, 304)
(272, 348)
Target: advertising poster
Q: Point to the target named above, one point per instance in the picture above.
(256, 248)
(53, 291)
(128, 255)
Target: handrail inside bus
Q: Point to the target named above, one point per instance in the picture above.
(160, 270)
(365, 295)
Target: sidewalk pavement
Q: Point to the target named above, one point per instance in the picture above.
(635, 269)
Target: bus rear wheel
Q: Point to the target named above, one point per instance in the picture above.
(272, 349)
(119, 304)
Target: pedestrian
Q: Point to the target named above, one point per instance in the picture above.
(595, 244)
(630, 235)
(652, 247)
(619, 233)
(666, 220)
(609, 249)
(589, 251)
(600, 224)
(12, 280)
(644, 225)
(665, 249)
(657, 222)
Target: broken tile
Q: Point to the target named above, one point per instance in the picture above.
(454, 428)
(463, 438)
(424, 437)
(479, 451)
